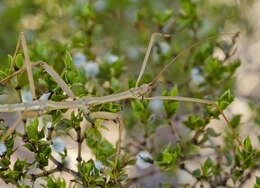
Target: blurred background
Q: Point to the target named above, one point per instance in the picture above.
(110, 30)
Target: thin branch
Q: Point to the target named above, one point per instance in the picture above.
(79, 141)
(64, 168)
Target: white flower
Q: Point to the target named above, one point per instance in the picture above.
(79, 59)
(26, 96)
(111, 58)
(45, 96)
(58, 145)
(91, 69)
(164, 47)
(195, 75)
(133, 52)
(48, 125)
(144, 159)
(2, 148)
(100, 5)
(156, 105)
(98, 164)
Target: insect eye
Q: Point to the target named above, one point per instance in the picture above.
(149, 90)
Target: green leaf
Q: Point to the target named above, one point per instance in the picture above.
(170, 106)
(248, 144)
(169, 157)
(10, 59)
(208, 163)
(32, 129)
(23, 184)
(19, 61)
(207, 167)
(131, 83)
(68, 61)
(225, 99)
(19, 165)
(195, 122)
(196, 173)
(59, 183)
(3, 74)
(87, 11)
(212, 132)
(162, 16)
(78, 89)
(114, 84)
(30, 147)
(235, 121)
(4, 163)
(257, 180)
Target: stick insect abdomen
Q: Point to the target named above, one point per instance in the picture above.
(40, 105)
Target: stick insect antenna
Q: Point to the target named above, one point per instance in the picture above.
(154, 81)
(148, 51)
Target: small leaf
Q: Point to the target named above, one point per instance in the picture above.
(19, 61)
(212, 132)
(68, 61)
(235, 121)
(247, 143)
(30, 147)
(257, 180)
(196, 173)
(32, 129)
(171, 106)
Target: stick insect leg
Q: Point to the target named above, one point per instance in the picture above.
(195, 100)
(17, 72)
(148, 51)
(12, 129)
(50, 71)
(58, 79)
(22, 39)
(28, 65)
(117, 117)
(18, 122)
(15, 53)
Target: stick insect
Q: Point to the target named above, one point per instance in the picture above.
(85, 103)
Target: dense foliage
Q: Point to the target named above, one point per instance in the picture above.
(97, 48)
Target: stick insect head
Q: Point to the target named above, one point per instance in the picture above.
(143, 89)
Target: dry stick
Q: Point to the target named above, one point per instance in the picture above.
(45, 173)
(188, 99)
(28, 66)
(148, 51)
(68, 170)
(79, 141)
